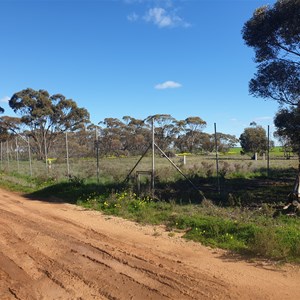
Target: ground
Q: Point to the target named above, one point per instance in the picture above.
(62, 251)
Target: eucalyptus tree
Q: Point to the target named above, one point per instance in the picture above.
(111, 132)
(226, 141)
(164, 130)
(287, 122)
(137, 135)
(46, 116)
(9, 126)
(190, 136)
(274, 34)
(254, 139)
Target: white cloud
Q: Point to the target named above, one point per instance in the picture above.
(162, 2)
(162, 18)
(263, 119)
(162, 13)
(159, 17)
(133, 17)
(168, 85)
(4, 99)
(133, 1)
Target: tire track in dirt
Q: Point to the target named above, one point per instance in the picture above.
(59, 251)
(136, 274)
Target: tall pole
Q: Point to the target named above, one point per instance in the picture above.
(17, 154)
(97, 155)
(1, 156)
(46, 158)
(268, 152)
(7, 155)
(67, 155)
(217, 157)
(153, 158)
(29, 156)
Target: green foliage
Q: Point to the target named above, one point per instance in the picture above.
(277, 243)
(76, 180)
(214, 231)
(249, 232)
(238, 219)
(287, 122)
(46, 116)
(127, 204)
(273, 33)
(254, 139)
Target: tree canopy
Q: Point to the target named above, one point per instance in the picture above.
(254, 139)
(9, 126)
(287, 122)
(274, 34)
(45, 118)
(47, 115)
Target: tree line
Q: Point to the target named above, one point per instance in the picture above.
(47, 120)
(273, 32)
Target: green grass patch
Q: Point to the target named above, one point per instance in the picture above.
(238, 230)
(226, 222)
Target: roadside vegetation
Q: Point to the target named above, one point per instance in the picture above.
(241, 218)
(51, 150)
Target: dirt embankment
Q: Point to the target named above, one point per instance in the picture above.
(60, 251)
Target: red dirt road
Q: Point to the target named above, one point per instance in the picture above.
(61, 251)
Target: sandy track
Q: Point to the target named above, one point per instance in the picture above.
(60, 251)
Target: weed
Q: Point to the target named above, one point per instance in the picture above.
(76, 180)
(155, 233)
(235, 223)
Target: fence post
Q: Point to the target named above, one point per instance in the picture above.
(1, 156)
(17, 155)
(153, 159)
(268, 153)
(67, 155)
(46, 158)
(217, 158)
(29, 156)
(97, 155)
(7, 155)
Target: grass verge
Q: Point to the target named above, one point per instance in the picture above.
(238, 229)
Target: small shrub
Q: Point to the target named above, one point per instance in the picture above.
(238, 167)
(232, 200)
(225, 168)
(267, 210)
(76, 181)
(209, 173)
(265, 243)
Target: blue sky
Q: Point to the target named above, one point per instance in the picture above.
(135, 57)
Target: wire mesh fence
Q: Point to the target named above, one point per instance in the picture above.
(72, 155)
